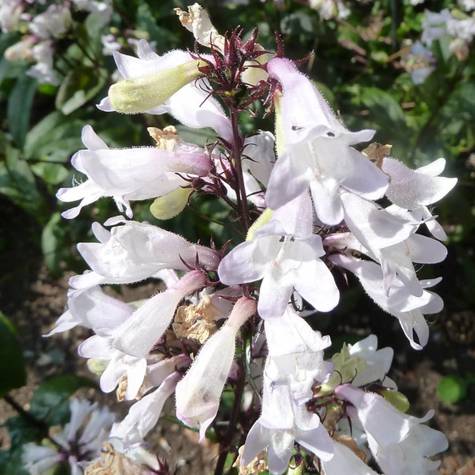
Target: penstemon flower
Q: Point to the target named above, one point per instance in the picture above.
(231, 321)
(76, 444)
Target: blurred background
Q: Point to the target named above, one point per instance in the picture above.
(403, 67)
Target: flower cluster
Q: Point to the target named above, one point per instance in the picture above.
(313, 206)
(42, 26)
(77, 443)
(455, 27)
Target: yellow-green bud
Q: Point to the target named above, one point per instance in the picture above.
(396, 399)
(170, 205)
(97, 366)
(264, 218)
(133, 96)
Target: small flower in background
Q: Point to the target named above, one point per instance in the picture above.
(418, 61)
(76, 444)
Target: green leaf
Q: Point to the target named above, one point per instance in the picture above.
(11, 462)
(17, 182)
(19, 108)
(51, 173)
(78, 87)
(52, 239)
(451, 389)
(50, 401)
(383, 106)
(22, 431)
(54, 138)
(12, 364)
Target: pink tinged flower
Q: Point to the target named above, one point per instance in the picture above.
(128, 435)
(92, 308)
(190, 105)
(133, 174)
(285, 255)
(134, 251)
(416, 189)
(345, 461)
(139, 334)
(276, 430)
(199, 392)
(316, 152)
(400, 302)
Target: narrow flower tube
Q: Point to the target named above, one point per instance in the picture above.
(199, 392)
(143, 416)
(137, 335)
(134, 251)
(134, 96)
(190, 104)
(130, 174)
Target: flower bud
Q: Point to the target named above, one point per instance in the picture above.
(138, 335)
(199, 392)
(133, 96)
(170, 205)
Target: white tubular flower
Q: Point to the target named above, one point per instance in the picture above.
(92, 308)
(406, 307)
(39, 460)
(138, 335)
(400, 443)
(396, 250)
(10, 15)
(53, 23)
(79, 441)
(257, 165)
(345, 461)
(114, 364)
(128, 435)
(316, 152)
(415, 190)
(434, 25)
(376, 363)
(277, 429)
(199, 392)
(411, 456)
(295, 354)
(138, 173)
(43, 70)
(134, 251)
(197, 21)
(285, 255)
(166, 84)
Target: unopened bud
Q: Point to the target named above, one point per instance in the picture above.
(396, 399)
(97, 366)
(170, 205)
(21, 51)
(133, 96)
